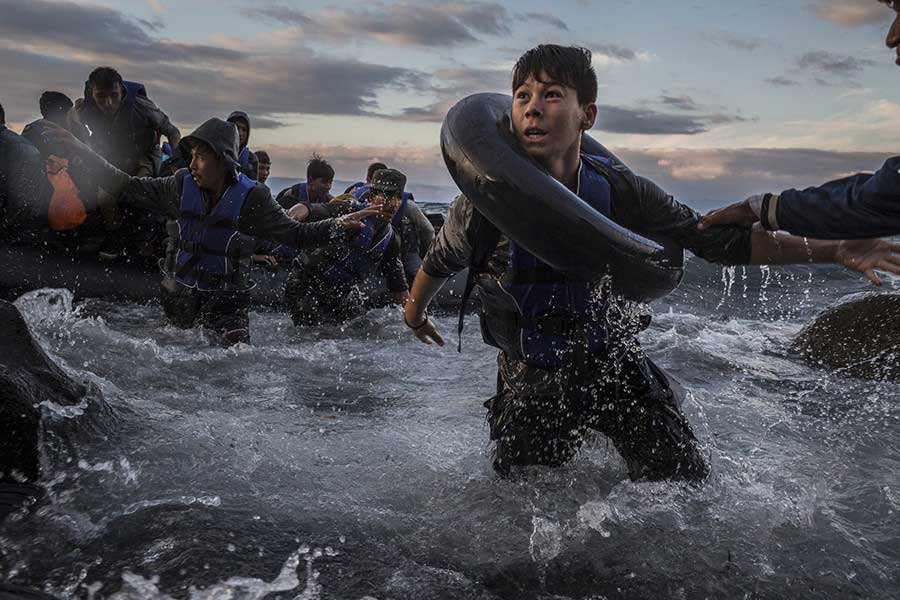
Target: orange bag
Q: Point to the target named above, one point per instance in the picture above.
(66, 210)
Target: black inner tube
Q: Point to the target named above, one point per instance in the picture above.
(521, 199)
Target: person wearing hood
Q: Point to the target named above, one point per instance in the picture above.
(246, 158)
(216, 213)
(325, 285)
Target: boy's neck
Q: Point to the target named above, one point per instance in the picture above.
(564, 167)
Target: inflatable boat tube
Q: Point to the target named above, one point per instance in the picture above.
(27, 268)
(521, 199)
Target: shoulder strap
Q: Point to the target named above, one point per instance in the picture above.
(485, 237)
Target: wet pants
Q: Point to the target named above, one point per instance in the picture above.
(225, 314)
(313, 301)
(541, 417)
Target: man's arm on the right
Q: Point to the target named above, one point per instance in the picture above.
(860, 206)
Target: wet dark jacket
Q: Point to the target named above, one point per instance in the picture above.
(25, 191)
(860, 206)
(390, 266)
(132, 135)
(252, 170)
(655, 212)
(260, 215)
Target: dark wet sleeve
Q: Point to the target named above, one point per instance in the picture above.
(392, 267)
(424, 227)
(657, 214)
(860, 206)
(27, 184)
(452, 247)
(158, 194)
(157, 118)
(327, 210)
(262, 217)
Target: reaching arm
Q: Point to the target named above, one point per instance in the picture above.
(860, 206)
(741, 244)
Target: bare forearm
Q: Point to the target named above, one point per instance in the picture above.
(780, 248)
(424, 289)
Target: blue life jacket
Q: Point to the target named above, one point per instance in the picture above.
(551, 315)
(244, 160)
(361, 257)
(209, 250)
(299, 190)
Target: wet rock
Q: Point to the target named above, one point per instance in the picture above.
(860, 335)
(28, 377)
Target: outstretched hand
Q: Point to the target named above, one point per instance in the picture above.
(423, 329)
(867, 255)
(739, 213)
(354, 221)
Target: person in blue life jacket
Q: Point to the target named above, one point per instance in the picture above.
(246, 157)
(863, 205)
(568, 362)
(370, 171)
(326, 285)
(410, 223)
(316, 188)
(265, 166)
(126, 126)
(218, 215)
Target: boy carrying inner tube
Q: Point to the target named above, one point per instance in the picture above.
(567, 363)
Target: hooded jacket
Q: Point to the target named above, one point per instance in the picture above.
(260, 215)
(246, 158)
(132, 135)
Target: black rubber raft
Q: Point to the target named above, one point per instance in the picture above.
(27, 268)
(521, 199)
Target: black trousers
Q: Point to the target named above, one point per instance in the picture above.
(541, 417)
(313, 301)
(226, 314)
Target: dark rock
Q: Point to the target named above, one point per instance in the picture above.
(28, 377)
(860, 336)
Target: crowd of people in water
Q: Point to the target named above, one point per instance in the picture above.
(92, 177)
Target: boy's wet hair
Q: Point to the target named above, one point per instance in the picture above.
(198, 145)
(263, 157)
(318, 168)
(375, 166)
(104, 78)
(568, 65)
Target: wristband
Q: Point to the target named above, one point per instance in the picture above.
(764, 212)
(419, 326)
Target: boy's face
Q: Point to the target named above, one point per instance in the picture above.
(388, 203)
(547, 118)
(108, 100)
(263, 172)
(206, 168)
(318, 187)
(243, 132)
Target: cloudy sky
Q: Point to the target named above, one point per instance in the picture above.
(713, 99)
